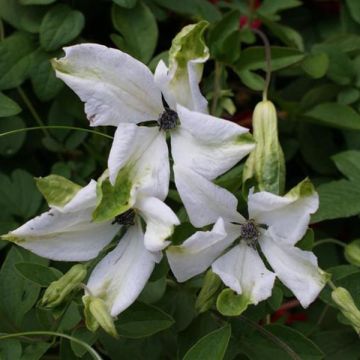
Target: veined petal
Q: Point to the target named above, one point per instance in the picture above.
(121, 275)
(204, 201)
(160, 221)
(64, 236)
(114, 86)
(144, 151)
(297, 269)
(242, 270)
(207, 144)
(199, 251)
(288, 216)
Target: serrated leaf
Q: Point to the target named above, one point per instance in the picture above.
(8, 107)
(139, 29)
(212, 346)
(59, 26)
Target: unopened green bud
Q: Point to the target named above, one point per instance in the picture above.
(58, 290)
(266, 163)
(352, 252)
(207, 296)
(346, 305)
(97, 314)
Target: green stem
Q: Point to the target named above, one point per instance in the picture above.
(217, 87)
(331, 284)
(2, 31)
(32, 110)
(272, 338)
(91, 351)
(58, 127)
(329, 241)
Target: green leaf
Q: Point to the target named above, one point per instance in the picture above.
(8, 107)
(352, 252)
(348, 162)
(11, 144)
(129, 4)
(348, 95)
(354, 7)
(142, 320)
(36, 2)
(35, 351)
(316, 65)
(252, 80)
(276, 298)
(39, 274)
(10, 349)
(57, 190)
(15, 59)
(230, 304)
(46, 85)
(335, 115)
(19, 195)
(84, 335)
(27, 18)
(212, 346)
(113, 200)
(289, 344)
(275, 6)
(59, 26)
(206, 298)
(139, 29)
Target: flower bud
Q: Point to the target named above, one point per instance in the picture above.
(207, 295)
(97, 314)
(352, 252)
(58, 290)
(346, 305)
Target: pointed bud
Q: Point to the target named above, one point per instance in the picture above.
(266, 163)
(97, 314)
(352, 252)
(58, 290)
(207, 296)
(346, 305)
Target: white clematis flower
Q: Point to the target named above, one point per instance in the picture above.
(69, 233)
(119, 90)
(232, 249)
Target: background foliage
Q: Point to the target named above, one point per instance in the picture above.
(316, 88)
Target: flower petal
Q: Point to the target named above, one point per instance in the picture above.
(288, 216)
(121, 275)
(199, 251)
(64, 236)
(145, 152)
(204, 201)
(297, 269)
(242, 270)
(160, 221)
(114, 86)
(208, 145)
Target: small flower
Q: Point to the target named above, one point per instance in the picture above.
(118, 90)
(232, 249)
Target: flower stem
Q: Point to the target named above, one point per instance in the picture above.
(59, 127)
(217, 87)
(267, 47)
(91, 351)
(329, 241)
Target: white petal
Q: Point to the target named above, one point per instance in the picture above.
(182, 90)
(160, 221)
(121, 275)
(204, 201)
(85, 198)
(64, 236)
(208, 145)
(242, 270)
(199, 251)
(287, 217)
(297, 269)
(114, 86)
(144, 150)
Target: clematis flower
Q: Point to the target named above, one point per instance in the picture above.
(233, 249)
(68, 232)
(118, 90)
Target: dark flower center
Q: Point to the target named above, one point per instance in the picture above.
(126, 218)
(168, 120)
(250, 232)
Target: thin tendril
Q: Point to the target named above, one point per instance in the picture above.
(267, 47)
(91, 351)
(329, 241)
(58, 127)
